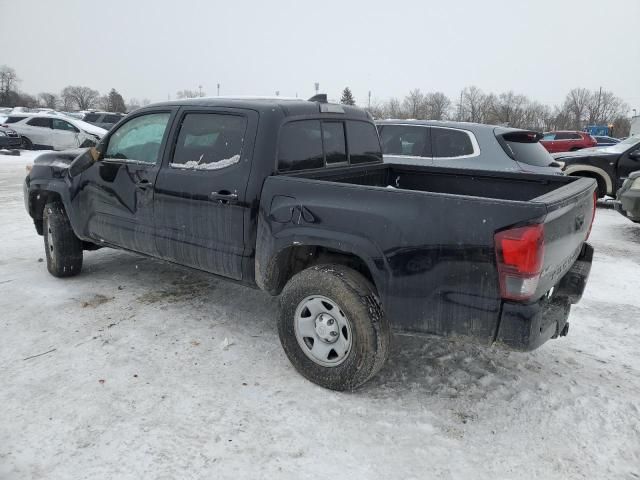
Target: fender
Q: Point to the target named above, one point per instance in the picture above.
(580, 167)
(271, 246)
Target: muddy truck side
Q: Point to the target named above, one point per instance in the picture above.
(292, 197)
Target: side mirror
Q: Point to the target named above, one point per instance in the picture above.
(84, 161)
(635, 155)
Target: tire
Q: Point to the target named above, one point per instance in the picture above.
(26, 144)
(62, 248)
(323, 293)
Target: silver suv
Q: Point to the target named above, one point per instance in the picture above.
(464, 145)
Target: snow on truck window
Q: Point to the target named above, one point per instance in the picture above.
(139, 139)
(209, 141)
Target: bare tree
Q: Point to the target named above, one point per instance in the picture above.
(393, 109)
(187, 94)
(604, 107)
(83, 98)
(49, 100)
(474, 105)
(576, 104)
(413, 104)
(8, 79)
(508, 109)
(437, 105)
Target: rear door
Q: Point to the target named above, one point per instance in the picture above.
(406, 144)
(200, 195)
(116, 197)
(548, 142)
(40, 131)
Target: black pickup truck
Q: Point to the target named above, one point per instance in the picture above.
(293, 197)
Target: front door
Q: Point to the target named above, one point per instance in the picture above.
(65, 135)
(116, 197)
(200, 202)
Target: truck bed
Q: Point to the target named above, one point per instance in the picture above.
(430, 233)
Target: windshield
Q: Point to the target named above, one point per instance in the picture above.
(621, 147)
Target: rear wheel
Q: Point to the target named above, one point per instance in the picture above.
(62, 248)
(26, 144)
(332, 327)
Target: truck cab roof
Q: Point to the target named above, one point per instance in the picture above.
(289, 107)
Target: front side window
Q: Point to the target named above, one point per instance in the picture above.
(63, 125)
(209, 141)
(139, 139)
(39, 122)
(451, 143)
(300, 146)
(335, 148)
(408, 140)
(364, 145)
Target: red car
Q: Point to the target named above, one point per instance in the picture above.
(567, 141)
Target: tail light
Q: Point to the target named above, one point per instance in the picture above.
(593, 215)
(520, 255)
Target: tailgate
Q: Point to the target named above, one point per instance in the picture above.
(566, 227)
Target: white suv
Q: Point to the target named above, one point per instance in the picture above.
(53, 132)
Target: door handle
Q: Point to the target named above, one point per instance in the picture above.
(224, 197)
(144, 184)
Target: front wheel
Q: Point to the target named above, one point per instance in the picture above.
(26, 144)
(62, 248)
(332, 327)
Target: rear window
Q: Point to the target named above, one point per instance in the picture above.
(111, 118)
(335, 148)
(364, 145)
(92, 117)
(524, 147)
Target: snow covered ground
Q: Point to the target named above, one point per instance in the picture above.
(159, 372)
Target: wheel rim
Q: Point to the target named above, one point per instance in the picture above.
(50, 250)
(323, 331)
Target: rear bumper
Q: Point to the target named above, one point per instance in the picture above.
(525, 327)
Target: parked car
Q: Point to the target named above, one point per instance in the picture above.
(292, 196)
(464, 145)
(104, 120)
(567, 141)
(9, 138)
(610, 166)
(604, 141)
(628, 197)
(53, 132)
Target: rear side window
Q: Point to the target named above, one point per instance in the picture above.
(568, 136)
(524, 147)
(13, 119)
(92, 117)
(451, 143)
(300, 146)
(209, 141)
(335, 148)
(407, 140)
(364, 145)
(39, 122)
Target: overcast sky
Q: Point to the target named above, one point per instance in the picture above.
(153, 48)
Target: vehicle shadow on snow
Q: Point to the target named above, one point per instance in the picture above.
(439, 367)
(430, 365)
